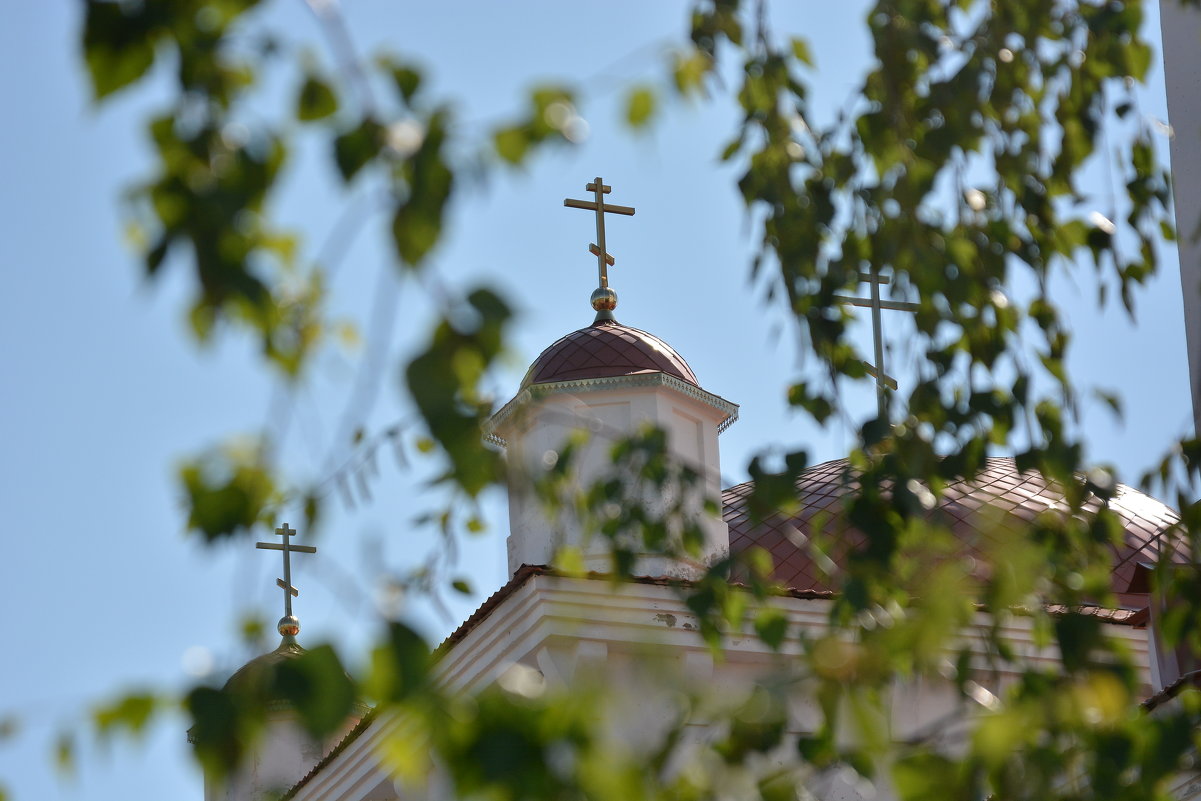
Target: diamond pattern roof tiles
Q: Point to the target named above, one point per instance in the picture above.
(998, 501)
(606, 349)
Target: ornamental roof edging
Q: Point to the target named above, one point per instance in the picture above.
(532, 391)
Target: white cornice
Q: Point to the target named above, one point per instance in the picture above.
(728, 409)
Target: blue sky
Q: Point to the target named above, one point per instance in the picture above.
(104, 392)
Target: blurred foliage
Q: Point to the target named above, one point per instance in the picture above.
(228, 491)
(955, 170)
(444, 379)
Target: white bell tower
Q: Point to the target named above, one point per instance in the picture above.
(596, 386)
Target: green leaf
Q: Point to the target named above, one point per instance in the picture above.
(414, 233)
(64, 754)
(511, 144)
(316, 100)
(252, 629)
(407, 80)
(417, 222)
(130, 713)
(1078, 636)
(924, 776)
(756, 728)
(9, 726)
(640, 107)
(221, 729)
(818, 406)
(800, 51)
(1138, 58)
(355, 148)
(772, 626)
(227, 491)
(689, 71)
(318, 688)
(400, 665)
(1111, 400)
(443, 381)
(118, 44)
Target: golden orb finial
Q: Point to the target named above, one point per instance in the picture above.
(604, 299)
(288, 626)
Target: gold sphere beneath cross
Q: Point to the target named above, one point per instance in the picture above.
(288, 626)
(604, 299)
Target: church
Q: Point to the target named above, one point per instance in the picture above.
(610, 380)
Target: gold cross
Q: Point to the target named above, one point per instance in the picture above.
(599, 190)
(876, 371)
(285, 583)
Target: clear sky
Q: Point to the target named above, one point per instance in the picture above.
(102, 391)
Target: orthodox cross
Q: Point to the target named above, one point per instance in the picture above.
(285, 583)
(875, 303)
(607, 299)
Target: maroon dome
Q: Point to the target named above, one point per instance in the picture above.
(1000, 500)
(607, 349)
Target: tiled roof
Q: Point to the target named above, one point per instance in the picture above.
(606, 349)
(998, 502)
(1190, 679)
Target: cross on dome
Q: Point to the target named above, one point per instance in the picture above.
(289, 626)
(877, 371)
(604, 299)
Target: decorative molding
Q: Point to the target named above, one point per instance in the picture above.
(534, 391)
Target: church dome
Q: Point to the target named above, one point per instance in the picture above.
(258, 671)
(255, 678)
(607, 349)
(256, 675)
(999, 501)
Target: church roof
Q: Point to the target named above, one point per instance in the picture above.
(261, 667)
(255, 676)
(606, 349)
(999, 502)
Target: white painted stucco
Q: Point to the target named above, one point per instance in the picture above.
(536, 427)
(641, 641)
(1181, 28)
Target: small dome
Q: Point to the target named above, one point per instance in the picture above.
(254, 678)
(999, 500)
(607, 349)
(261, 668)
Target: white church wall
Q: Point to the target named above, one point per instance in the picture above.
(1186, 787)
(600, 415)
(286, 754)
(642, 643)
(1180, 26)
(357, 773)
